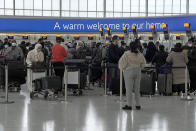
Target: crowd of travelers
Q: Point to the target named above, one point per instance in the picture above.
(131, 58)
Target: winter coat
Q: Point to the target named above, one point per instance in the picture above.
(130, 59)
(178, 59)
(160, 58)
(113, 54)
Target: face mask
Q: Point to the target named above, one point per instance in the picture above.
(38, 50)
(190, 45)
(119, 44)
(6, 46)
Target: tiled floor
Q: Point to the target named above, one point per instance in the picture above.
(97, 113)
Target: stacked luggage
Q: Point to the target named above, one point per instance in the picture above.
(46, 86)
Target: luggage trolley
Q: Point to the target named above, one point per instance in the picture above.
(32, 75)
(75, 75)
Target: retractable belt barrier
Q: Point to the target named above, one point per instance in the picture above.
(83, 65)
(4, 64)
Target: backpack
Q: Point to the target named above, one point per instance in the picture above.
(165, 69)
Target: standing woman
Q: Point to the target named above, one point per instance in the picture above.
(58, 55)
(178, 59)
(131, 63)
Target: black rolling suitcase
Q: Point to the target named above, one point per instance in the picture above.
(51, 82)
(116, 86)
(147, 85)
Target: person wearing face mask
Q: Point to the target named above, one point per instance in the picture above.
(35, 56)
(35, 59)
(14, 52)
(188, 46)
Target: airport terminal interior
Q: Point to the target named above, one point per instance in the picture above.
(97, 65)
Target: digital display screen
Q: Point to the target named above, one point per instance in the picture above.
(10, 37)
(76, 38)
(25, 37)
(90, 38)
(44, 37)
(121, 38)
(108, 38)
(150, 38)
(177, 37)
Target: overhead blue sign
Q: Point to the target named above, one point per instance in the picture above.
(176, 24)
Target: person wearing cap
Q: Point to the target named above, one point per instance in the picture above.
(14, 52)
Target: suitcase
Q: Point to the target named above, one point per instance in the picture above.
(164, 84)
(115, 84)
(147, 85)
(51, 82)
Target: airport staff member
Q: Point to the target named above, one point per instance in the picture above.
(58, 54)
(131, 63)
(14, 52)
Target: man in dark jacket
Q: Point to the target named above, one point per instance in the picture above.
(151, 51)
(192, 67)
(114, 51)
(113, 58)
(123, 48)
(160, 57)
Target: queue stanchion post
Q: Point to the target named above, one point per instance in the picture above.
(88, 81)
(187, 97)
(121, 83)
(66, 82)
(89, 77)
(105, 80)
(6, 87)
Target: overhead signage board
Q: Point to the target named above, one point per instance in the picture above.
(175, 24)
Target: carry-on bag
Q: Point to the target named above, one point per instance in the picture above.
(147, 85)
(52, 82)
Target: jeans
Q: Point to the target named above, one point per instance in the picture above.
(113, 73)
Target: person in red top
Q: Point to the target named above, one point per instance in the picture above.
(59, 53)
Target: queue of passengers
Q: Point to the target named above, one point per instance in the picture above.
(131, 59)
